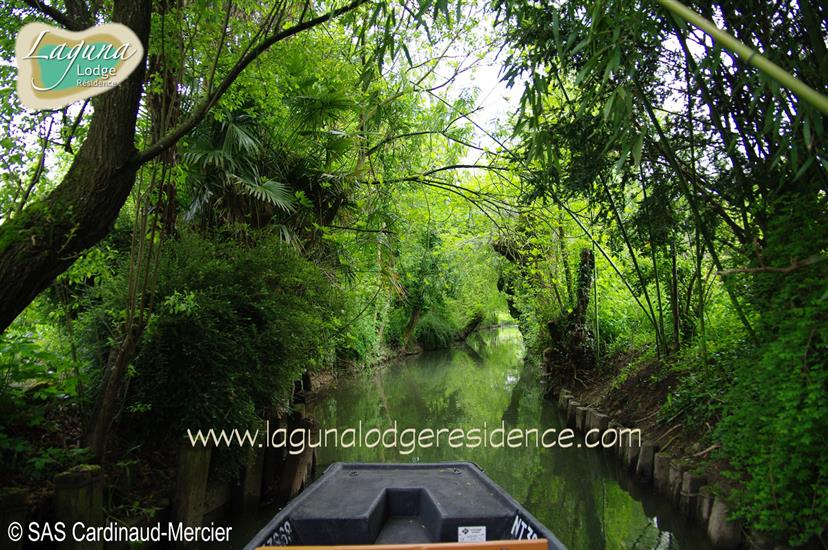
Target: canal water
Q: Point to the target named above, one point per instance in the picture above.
(582, 495)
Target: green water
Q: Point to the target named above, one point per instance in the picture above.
(582, 495)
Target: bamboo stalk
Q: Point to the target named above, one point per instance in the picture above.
(749, 56)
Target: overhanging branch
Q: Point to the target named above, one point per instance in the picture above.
(204, 107)
(795, 264)
(54, 14)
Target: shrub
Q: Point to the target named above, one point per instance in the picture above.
(777, 415)
(435, 330)
(235, 326)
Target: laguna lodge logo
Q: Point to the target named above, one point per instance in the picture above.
(57, 67)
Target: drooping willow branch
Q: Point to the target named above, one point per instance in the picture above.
(557, 200)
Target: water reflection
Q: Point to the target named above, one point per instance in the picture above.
(581, 494)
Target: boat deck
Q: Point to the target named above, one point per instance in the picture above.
(370, 504)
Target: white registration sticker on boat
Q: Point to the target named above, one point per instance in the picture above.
(471, 534)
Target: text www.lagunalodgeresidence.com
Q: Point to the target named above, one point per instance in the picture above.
(408, 440)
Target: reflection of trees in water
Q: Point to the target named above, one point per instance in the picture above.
(473, 354)
(561, 484)
(574, 492)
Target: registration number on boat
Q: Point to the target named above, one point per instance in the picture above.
(281, 536)
(521, 530)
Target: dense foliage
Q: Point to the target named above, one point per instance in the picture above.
(314, 190)
(703, 186)
(221, 304)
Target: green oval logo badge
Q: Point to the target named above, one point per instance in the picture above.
(57, 67)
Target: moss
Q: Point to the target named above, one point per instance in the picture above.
(39, 221)
(8, 235)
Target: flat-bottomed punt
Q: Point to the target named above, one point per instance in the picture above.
(447, 506)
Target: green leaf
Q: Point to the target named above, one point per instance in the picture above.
(608, 106)
(271, 191)
(806, 132)
(613, 63)
(636, 149)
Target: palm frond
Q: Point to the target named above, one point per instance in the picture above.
(208, 159)
(239, 138)
(271, 191)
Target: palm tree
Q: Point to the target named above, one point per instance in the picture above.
(230, 178)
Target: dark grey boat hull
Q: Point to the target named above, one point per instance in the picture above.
(357, 503)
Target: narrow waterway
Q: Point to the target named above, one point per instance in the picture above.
(581, 494)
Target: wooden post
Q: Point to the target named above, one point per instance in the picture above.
(249, 491)
(191, 484)
(14, 503)
(298, 467)
(79, 498)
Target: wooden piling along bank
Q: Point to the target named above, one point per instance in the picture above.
(14, 503)
(669, 476)
(270, 474)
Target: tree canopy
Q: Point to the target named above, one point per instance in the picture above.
(293, 186)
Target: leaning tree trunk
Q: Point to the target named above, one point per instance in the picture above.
(408, 332)
(45, 238)
(112, 385)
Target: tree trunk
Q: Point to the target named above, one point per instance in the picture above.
(586, 271)
(564, 256)
(674, 298)
(579, 339)
(699, 249)
(45, 238)
(108, 396)
(412, 324)
(471, 326)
